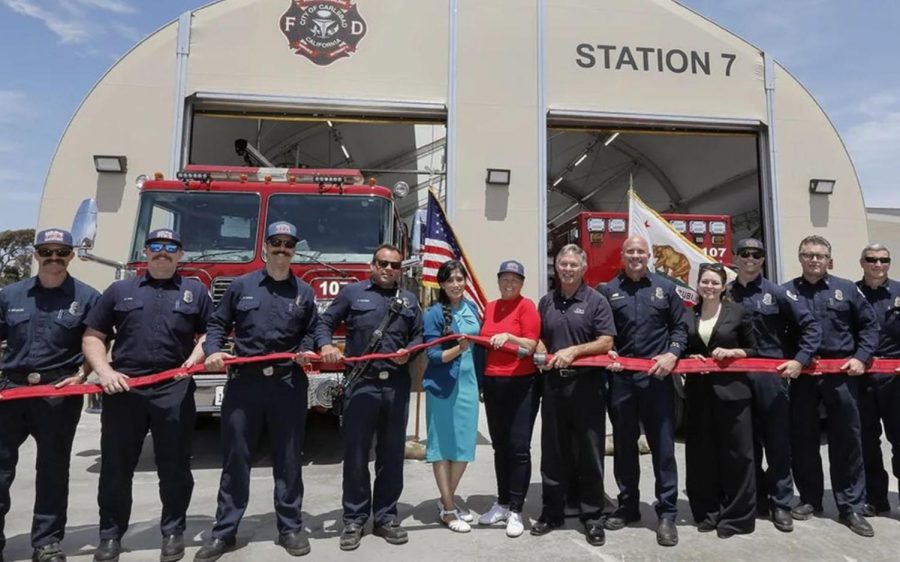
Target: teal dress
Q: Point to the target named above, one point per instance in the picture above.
(453, 421)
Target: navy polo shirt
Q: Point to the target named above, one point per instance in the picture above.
(361, 306)
(849, 328)
(885, 300)
(573, 321)
(154, 321)
(43, 327)
(783, 325)
(650, 317)
(268, 316)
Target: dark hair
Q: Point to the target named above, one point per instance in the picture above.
(816, 240)
(390, 247)
(719, 270)
(444, 272)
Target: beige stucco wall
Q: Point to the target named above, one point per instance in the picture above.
(885, 229)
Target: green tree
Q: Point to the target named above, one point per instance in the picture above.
(15, 255)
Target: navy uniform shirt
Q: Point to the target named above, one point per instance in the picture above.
(784, 326)
(849, 328)
(154, 321)
(885, 300)
(43, 327)
(268, 316)
(361, 306)
(580, 319)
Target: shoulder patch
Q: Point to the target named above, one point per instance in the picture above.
(790, 294)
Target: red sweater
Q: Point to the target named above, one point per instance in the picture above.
(518, 317)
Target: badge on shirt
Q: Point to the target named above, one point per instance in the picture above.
(897, 302)
(578, 311)
(75, 308)
(659, 294)
(297, 301)
(767, 299)
(790, 294)
(188, 297)
(838, 295)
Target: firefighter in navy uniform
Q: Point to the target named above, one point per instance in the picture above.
(849, 331)
(784, 327)
(42, 321)
(651, 322)
(271, 311)
(377, 403)
(879, 394)
(158, 320)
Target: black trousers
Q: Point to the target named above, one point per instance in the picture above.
(52, 423)
(771, 436)
(839, 395)
(720, 480)
(279, 402)
(879, 401)
(167, 410)
(573, 434)
(511, 404)
(380, 410)
(635, 399)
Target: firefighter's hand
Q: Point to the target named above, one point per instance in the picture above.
(113, 381)
(615, 366)
(563, 358)
(497, 340)
(663, 364)
(721, 353)
(77, 378)
(790, 369)
(303, 357)
(854, 367)
(216, 361)
(330, 354)
(403, 358)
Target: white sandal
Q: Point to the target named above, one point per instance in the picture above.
(464, 514)
(457, 525)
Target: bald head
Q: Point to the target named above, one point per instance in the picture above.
(635, 257)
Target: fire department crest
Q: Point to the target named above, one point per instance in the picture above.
(660, 295)
(323, 30)
(838, 295)
(767, 299)
(188, 297)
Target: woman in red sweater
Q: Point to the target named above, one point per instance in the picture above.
(511, 394)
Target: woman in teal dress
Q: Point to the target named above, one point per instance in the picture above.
(451, 383)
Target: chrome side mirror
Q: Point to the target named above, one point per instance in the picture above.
(84, 225)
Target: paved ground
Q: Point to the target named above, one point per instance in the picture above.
(819, 539)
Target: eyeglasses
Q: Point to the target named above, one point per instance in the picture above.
(809, 256)
(278, 242)
(163, 247)
(58, 252)
(751, 254)
(384, 264)
(870, 259)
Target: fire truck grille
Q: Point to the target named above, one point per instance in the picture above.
(219, 286)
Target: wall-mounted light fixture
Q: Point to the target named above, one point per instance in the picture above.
(822, 187)
(111, 164)
(497, 176)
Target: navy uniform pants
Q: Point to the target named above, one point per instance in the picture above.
(771, 420)
(167, 410)
(52, 423)
(839, 395)
(573, 436)
(879, 401)
(636, 399)
(280, 403)
(376, 409)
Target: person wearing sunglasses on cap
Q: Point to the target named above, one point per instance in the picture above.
(270, 310)
(377, 406)
(879, 393)
(42, 321)
(784, 328)
(158, 320)
(849, 332)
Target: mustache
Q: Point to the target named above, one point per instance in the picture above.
(280, 253)
(162, 257)
(58, 261)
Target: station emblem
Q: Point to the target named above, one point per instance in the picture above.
(323, 30)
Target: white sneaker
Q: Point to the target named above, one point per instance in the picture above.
(496, 514)
(514, 525)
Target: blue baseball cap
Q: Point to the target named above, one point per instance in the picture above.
(282, 228)
(163, 235)
(512, 266)
(53, 236)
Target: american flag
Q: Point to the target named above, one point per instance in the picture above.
(442, 245)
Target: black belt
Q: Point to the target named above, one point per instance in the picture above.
(382, 375)
(263, 369)
(571, 372)
(38, 377)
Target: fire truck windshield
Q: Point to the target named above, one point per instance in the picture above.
(334, 228)
(219, 227)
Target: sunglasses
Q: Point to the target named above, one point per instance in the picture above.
(59, 252)
(713, 266)
(870, 259)
(278, 242)
(384, 264)
(750, 254)
(163, 247)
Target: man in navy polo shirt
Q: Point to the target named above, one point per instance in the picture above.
(271, 311)
(158, 320)
(42, 321)
(576, 321)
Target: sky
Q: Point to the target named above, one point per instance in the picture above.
(846, 52)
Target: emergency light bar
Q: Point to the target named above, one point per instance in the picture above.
(194, 172)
